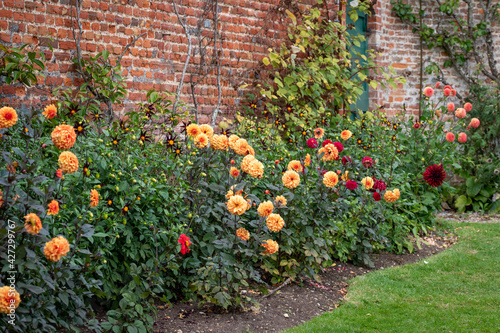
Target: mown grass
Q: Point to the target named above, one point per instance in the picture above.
(457, 290)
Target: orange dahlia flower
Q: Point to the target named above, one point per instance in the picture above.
(50, 111)
(201, 140)
(234, 172)
(94, 198)
(241, 147)
(232, 140)
(345, 176)
(33, 224)
(346, 135)
(391, 196)
(330, 179)
(8, 117)
(291, 179)
(265, 208)
(193, 130)
(319, 132)
(307, 161)
(271, 246)
(280, 200)
(330, 152)
(63, 136)
(53, 208)
(255, 169)
(245, 162)
(295, 165)
(237, 205)
(275, 222)
(57, 248)
(243, 234)
(207, 130)
(68, 162)
(219, 142)
(9, 299)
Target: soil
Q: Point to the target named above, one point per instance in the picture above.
(469, 217)
(291, 305)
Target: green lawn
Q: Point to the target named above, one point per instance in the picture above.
(455, 291)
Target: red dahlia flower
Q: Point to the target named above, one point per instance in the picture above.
(376, 196)
(346, 159)
(435, 175)
(351, 185)
(185, 243)
(367, 162)
(379, 185)
(327, 142)
(416, 125)
(312, 143)
(339, 146)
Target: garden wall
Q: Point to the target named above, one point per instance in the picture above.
(156, 60)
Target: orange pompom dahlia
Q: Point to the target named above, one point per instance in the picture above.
(68, 162)
(245, 162)
(232, 140)
(391, 196)
(265, 208)
(271, 246)
(281, 200)
(241, 147)
(57, 248)
(94, 198)
(307, 161)
(330, 179)
(275, 222)
(50, 111)
(53, 208)
(8, 117)
(243, 234)
(256, 169)
(33, 224)
(63, 136)
(234, 172)
(9, 299)
(237, 205)
(219, 142)
(346, 135)
(291, 179)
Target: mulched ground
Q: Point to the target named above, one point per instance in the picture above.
(469, 217)
(290, 306)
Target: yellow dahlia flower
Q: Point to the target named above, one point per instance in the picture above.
(207, 130)
(291, 179)
(367, 182)
(265, 208)
(345, 176)
(68, 162)
(8, 117)
(237, 205)
(9, 299)
(63, 136)
(330, 179)
(57, 248)
(271, 246)
(243, 234)
(33, 224)
(275, 222)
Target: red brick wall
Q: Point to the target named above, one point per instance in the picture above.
(156, 60)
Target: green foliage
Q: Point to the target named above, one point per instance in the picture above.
(21, 64)
(317, 70)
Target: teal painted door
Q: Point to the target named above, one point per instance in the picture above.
(361, 28)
